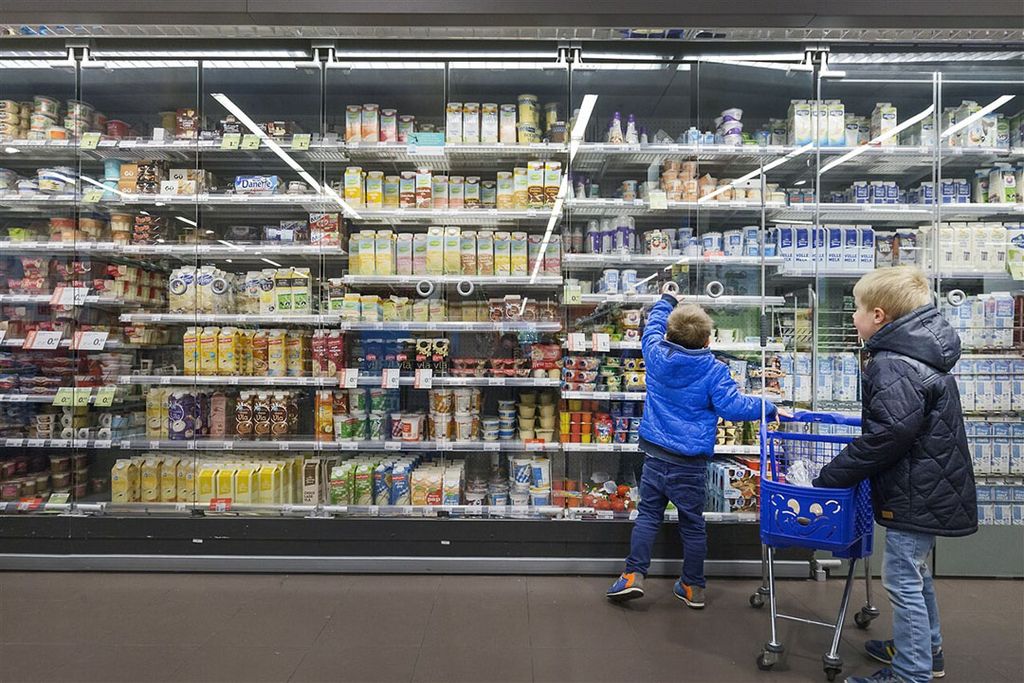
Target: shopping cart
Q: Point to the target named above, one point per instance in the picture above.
(836, 520)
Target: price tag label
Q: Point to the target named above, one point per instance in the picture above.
(285, 446)
(491, 446)
(65, 396)
(43, 339)
(82, 395)
(348, 378)
(392, 445)
(105, 397)
(658, 200)
(69, 296)
(89, 341)
(424, 378)
(602, 342)
(534, 445)
(300, 142)
(348, 445)
(250, 142)
(3, 333)
(496, 381)
(58, 499)
(35, 443)
(92, 195)
(572, 296)
(605, 514)
(389, 378)
(13, 443)
(16, 398)
(90, 140)
(576, 341)
(230, 140)
(220, 504)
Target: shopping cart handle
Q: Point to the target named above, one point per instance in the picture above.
(822, 417)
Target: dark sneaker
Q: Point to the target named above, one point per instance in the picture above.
(693, 596)
(884, 650)
(883, 676)
(628, 587)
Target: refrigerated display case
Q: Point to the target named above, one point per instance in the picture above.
(363, 308)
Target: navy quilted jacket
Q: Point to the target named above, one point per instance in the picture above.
(913, 444)
(687, 391)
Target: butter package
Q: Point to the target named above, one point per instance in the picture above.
(403, 254)
(256, 184)
(535, 197)
(518, 254)
(502, 254)
(246, 484)
(208, 351)
(456, 192)
(467, 252)
(424, 188)
(439, 191)
(169, 480)
(407, 190)
(325, 229)
(552, 180)
(452, 251)
(419, 254)
(485, 253)
(435, 252)
(375, 190)
(206, 483)
(124, 482)
(521, 185)
(384, 253)
(392, 188)
(354, 186)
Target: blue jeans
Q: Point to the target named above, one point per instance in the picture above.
(685, 486)
(915, 613)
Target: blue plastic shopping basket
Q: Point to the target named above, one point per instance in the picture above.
(836, 520)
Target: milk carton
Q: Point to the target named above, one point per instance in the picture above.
(384, 253)
(836, 123)
(452, 251)
(502, 254)
(403, 253)
(802, 247)
(826, 375)
(519, 263)
(851, 131)
(866, 256)
(819, 119)
(883, 121)
(799, 123)
(834, 247)
(419, 254)
(1002, 185)
(851, 248)
(785, 243)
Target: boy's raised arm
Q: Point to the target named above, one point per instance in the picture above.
(657, 321)
(892, 420)
(734, 406)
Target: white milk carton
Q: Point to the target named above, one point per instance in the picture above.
(851, 130)
(836, 123)
(883, 120)
(826, 372)
(799, 123)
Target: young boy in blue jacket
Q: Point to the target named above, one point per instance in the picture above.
(688, 389)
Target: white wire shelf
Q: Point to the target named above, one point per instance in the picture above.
(702, 299)
(725, 347)
(336, 322)
(639, 261)
(412, 281)
(109, 345)
(49, 397)
(641, 207)
(45, 299)
(235, 251)
(333, 382)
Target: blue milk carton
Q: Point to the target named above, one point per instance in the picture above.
(981, 454)
(802, 247)
(1017, 384)
(826, 371)
(866, 254)
(1017, 449)
(834, 247)
(851, 248)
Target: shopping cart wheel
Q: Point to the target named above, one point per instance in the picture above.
(757, 601)
(833, 666)
(766, 660)
(832, 671)
(863, 619)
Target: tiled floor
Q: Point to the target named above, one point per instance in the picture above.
(217, 627)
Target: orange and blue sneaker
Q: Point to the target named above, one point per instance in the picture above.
(629, 586)
(693, 596)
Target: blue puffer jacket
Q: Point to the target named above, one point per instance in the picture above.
(687, 391)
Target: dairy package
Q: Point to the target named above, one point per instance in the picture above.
(883, 121)
(799, 123)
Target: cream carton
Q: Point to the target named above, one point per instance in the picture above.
(467, 252)
(453, 123)
(435, 251)
(208, 351)
(268, 297)
(384, 253)
(452, 251)
(228, 347)
(124, 482)
(403, 253)
(375, 190)
(206, 483)
(246, 484)
(185, 476)
(485, 253)
(1002, 185)
(519, 262)
(535, 197)
(283, 289)
(190, 350)
(353, 184)
(799, 123)
(502, 254)
(150, 480)
(226, 481)
(883, 121)
(471, 123)
(169, 480)
(419, 254)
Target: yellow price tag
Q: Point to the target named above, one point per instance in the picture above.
(90, 140)
(230, 140)
(64, 397)
(250, 142)
(82, 395)
(92, 195)
(572, 296)
(105, 397)
(300, 142)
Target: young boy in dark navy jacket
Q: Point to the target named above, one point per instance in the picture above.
(688, 389)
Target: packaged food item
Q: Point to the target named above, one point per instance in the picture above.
(467, 253)
(261, 416)
(370, 123)
(354, 186)
(485, 252)
(407, 190)
(208, 345)
(325, 229)
(536, 197)
(434, 264)
(406, 127)
(424, 187)
(456, 192)
(353, 123)
(552, 181)
(471, 123)
(453, 122)
(502, 254)
(439, 192)
(388, 125)
(253, 184)
(472, 190)
(521, 184)
(518, 255)
(375, 190)
(277, 362)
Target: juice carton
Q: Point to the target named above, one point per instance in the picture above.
(456, 192)
(375, 190)
(502, 254)
(518, 253)
(485, 253)
(439, 191)
(407, 190)
(208, 364)
(366, 253)
(424, 186)
(124, 482)
(403, 254)
(354, 189)
(521, 186)
(505, 191)
(452, 251)
(277, 361)
(434, 252)
(206, 483)
(453, 123)
(384, 253)
(185, 477)
(283, 290)
(467, 252)
(392, 191)
(190, 350)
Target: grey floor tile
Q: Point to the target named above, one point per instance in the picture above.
(498, 662)
(274, 625)
(383, 662)
(130, 663)
(39, 662)
(220, 664)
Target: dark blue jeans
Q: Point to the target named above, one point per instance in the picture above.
(685, 485)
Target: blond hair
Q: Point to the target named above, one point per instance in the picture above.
(689, 326)
(897, 291)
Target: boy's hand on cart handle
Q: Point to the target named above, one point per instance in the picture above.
(783, 412)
